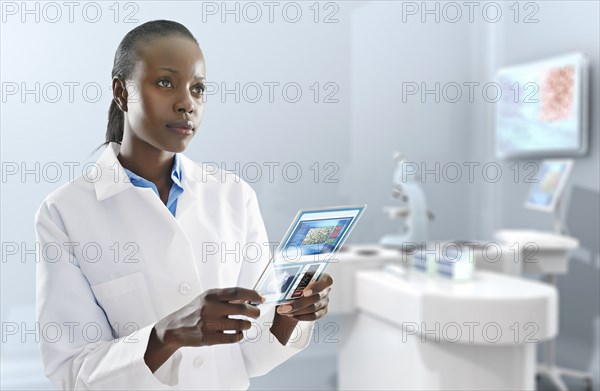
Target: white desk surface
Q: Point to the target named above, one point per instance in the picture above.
(545, 240)
(484, 286)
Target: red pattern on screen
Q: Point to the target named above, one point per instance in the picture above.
(557, 94)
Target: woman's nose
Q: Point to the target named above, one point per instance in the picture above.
(186, 109)
(185, 104)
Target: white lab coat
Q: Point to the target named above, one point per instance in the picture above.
(112, 261)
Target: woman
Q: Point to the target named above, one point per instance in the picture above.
(134, 287)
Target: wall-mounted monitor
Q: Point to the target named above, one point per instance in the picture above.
(546, 192)
(543, 110)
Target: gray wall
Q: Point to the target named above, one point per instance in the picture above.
(233, 134)
(368, 54)
(384, 59)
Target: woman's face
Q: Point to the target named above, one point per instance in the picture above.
(165, 93)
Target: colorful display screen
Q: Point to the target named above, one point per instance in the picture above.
(542, 107)
(314, 236)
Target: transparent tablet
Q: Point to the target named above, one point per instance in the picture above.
(312, 240)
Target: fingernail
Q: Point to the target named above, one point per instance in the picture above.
(263, 299)
(307, 292)
(284, 309)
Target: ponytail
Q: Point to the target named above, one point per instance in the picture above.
(114, 129)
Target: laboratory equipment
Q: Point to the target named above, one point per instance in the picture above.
(412, 211)
(546, 193)
(449, 259)
(544, 253)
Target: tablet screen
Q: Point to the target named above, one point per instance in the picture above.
(309, 244)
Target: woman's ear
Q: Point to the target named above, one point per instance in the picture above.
(119, 93)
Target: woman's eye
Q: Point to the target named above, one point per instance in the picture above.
(164, 83)
(199, 88)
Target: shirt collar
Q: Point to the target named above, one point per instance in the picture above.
(175, 172)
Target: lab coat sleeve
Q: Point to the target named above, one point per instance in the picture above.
(261, 350)
(77, 346)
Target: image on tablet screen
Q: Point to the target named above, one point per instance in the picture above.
(315, 237)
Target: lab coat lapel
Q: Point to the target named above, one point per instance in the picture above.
(191, 174)
(198, 223)
(198, 229)
(107, 174)
(111, 179)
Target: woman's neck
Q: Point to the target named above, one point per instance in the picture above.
(146, 161)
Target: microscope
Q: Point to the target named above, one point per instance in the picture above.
(412, 211)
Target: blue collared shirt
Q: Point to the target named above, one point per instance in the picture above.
(176, 188)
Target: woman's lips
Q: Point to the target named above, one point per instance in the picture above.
(183, 131)
(182, 127)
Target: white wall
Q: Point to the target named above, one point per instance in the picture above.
(367, 54)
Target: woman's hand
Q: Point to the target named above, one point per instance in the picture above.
(202, 323)
(312, 305)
